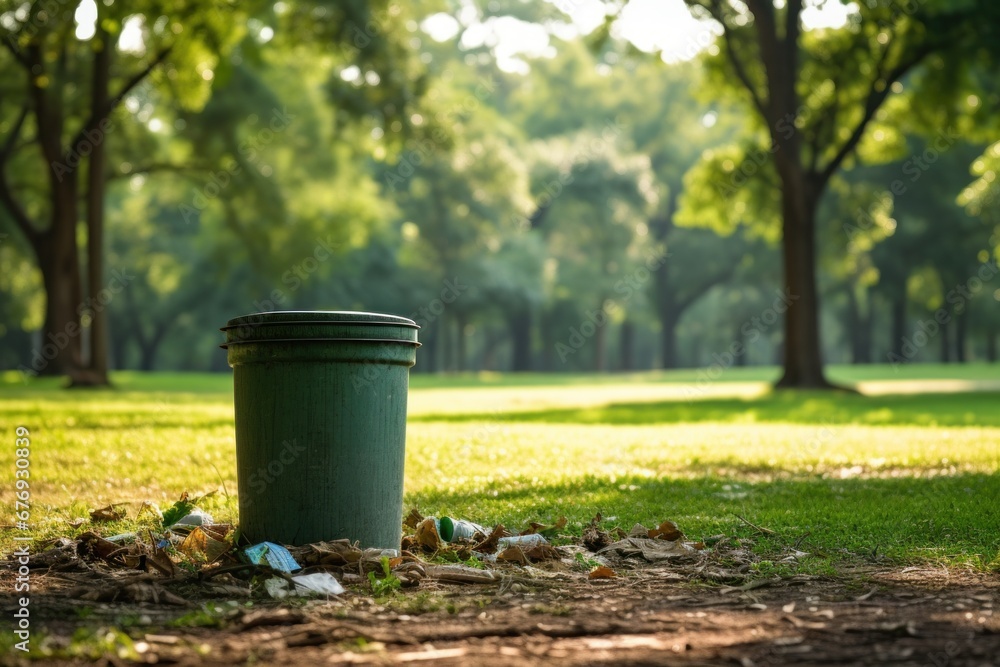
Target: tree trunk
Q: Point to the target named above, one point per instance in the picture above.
(740, 359)
(429, 359)
(668, 340)
(97, 369)
(519, 324)
(961, 327)
(460, 342)
(991, 346)
(666, 297)
(859, 329)
(600, 340)
(866, 339)
(627, 349)
(898, 324)
(59, 262)
(147, 360)
(945, 340)
(803, 362)
(489, 359)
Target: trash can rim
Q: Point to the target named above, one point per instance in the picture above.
(367, 323)
(274, 317)
(331, 339)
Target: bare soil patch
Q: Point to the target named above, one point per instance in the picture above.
(649, 615)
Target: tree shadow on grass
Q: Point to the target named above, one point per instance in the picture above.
(971, 409)
(944, 518)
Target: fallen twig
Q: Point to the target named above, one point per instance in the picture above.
(760, 529)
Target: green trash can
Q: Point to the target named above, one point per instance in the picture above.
(321, 424)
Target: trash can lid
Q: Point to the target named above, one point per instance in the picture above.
(319, 317)
(317, 326)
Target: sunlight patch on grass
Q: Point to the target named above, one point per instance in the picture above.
(913, 477)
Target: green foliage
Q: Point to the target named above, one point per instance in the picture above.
(385, 585)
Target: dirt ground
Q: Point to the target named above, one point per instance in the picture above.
(652, 615)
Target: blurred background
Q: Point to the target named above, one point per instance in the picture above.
(543, 186)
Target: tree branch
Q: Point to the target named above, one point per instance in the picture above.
(48, 121)
(792, 27)
(741, 73)
(6, 194)
(823, 126)
(15, 209)
(874, 100)
(8, 41)
(8, 145)
(682, 304)
(97, 118)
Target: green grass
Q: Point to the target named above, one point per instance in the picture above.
(805, 407)
(911, 477)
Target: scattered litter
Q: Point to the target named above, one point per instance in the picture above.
(276, 556)
(530, 540)
(194, 547)
(196, 517)
(317, 583)
(122, 537)
(453, 530)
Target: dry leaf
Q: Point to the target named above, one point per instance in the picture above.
(542, 529)
(427, 535)
(489, 545)
(602, 572)
(199, 545)
(160, 561)
(666, 531)
(217, 530)
(413, 519)
(651, 550)
(332, 552)
(540, 552)
(109, 513)
(594, 538)
(94, 545)
(513, 554)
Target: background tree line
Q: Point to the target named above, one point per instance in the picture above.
(167, 166)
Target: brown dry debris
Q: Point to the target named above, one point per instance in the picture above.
(109, 513)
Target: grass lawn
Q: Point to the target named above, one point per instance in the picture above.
(908, 477)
